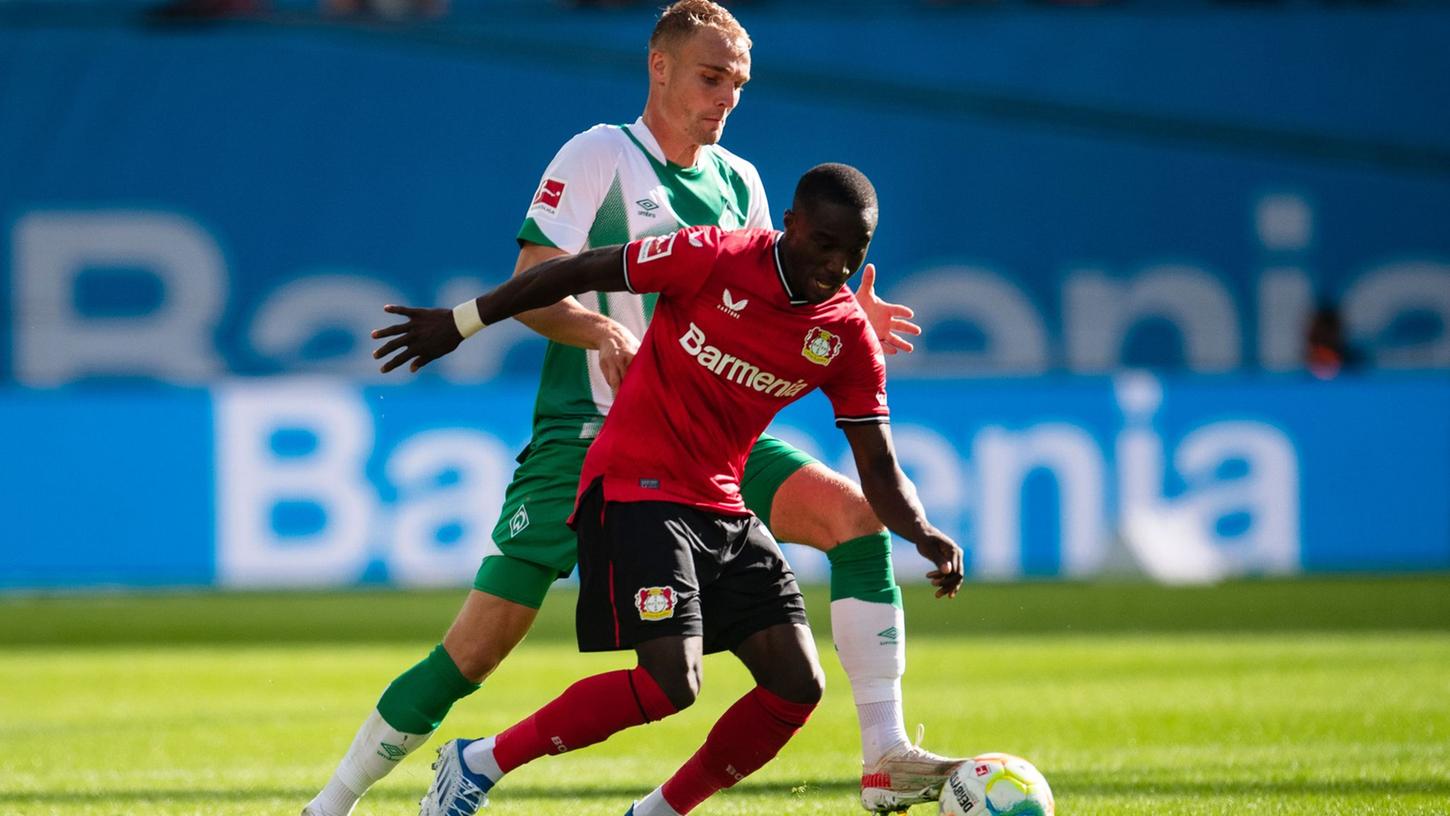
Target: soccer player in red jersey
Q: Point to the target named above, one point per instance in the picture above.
(609, 185)
(672, 565)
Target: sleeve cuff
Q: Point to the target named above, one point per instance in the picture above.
(871, 419)
(570, 239)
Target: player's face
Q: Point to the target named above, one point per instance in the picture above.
(701, 82)
(824, 245)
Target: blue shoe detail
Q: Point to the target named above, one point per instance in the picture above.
(456, 790)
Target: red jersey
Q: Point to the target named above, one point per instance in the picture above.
(729, 346)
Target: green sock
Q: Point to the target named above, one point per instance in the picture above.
(861, 568)
(419, 699)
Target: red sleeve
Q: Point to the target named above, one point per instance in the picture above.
(858, 390)
(674, 264)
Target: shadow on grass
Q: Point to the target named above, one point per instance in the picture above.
(1288, 787)
(1064, 787)
(623, 792)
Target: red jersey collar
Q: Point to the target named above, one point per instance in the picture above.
(794, 299)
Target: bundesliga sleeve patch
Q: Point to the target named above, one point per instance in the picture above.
(550, 194)
(656, 247)
(655, 603)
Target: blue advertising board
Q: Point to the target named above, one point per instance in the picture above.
(301, 482)
(199, 225)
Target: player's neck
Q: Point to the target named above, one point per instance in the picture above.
(676, 145)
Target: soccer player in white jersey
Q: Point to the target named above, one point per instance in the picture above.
(610, 185)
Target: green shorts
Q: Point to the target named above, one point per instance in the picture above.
(535, 546)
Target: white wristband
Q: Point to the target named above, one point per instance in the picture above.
(465, 317)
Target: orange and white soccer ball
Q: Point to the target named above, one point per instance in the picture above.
(996, 785)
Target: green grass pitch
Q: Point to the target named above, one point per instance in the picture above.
(1305, 697)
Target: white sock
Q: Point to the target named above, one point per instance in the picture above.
(882, 729)
(655, 805)
(478, 756)
(871, 644)
(375, 752)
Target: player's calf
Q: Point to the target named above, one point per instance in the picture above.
(485, 631)
(405, 717)
(746, 737)
(587, 712)
(822, 508)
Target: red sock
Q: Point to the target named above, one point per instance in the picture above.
(745, 737)
(587, 712)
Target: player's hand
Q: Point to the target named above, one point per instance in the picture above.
(890, 321)
(942, 551)
(616, 352)
(426, 335)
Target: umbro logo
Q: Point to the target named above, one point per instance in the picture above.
(730, 305)
(391, 752)
(647, 207)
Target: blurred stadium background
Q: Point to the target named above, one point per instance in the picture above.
(1183, 266)
(1116, 224)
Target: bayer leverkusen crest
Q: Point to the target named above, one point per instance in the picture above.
(821, 346)
(655, 603)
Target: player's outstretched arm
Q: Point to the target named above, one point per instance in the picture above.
(570, 323)
(428, 334)
(890, 321)
(893, 497)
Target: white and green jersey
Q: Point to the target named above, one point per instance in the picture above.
(611, 185)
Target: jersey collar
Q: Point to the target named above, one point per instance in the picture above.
(640, 131)
(794, 299)
(642, 136)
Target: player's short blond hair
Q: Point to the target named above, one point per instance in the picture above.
(681, 19)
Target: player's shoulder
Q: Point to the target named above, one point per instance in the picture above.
(845, 310)
(743, 241)
(601, 141)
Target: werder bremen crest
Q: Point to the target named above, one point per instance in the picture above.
(821, 346)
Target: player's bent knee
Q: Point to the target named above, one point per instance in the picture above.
(845, 520)
(821, 508)
(478, 653)
(857, 519)
(783, 661)
(803, 683)
(486, 629)
(475, 662)
(681, 686)
(675, 667)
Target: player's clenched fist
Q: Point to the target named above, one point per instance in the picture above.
(426, 335)
(942, 551)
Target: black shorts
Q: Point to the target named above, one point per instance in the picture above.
(652, 569)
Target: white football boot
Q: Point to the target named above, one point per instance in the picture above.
(456, 791)
(909, 775)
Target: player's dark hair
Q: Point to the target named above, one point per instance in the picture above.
(837, 184)
(680, 20)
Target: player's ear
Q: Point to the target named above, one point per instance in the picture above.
(788, 218)
(659, 65)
